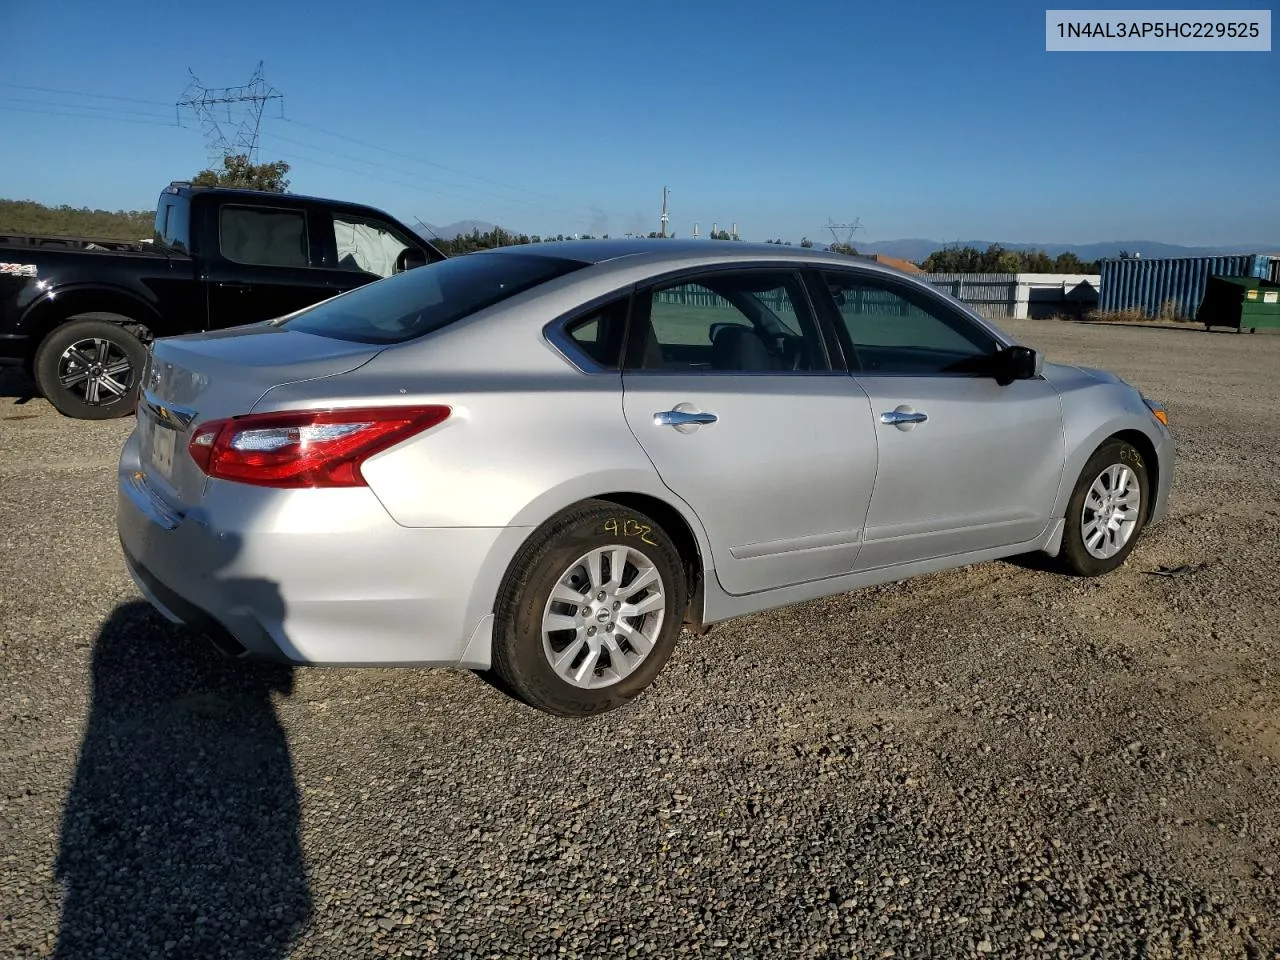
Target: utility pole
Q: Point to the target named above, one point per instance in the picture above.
(230, 116)
(665, 216)
(850, 227)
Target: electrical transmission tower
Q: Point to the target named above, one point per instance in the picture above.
(230, 116)
(665, 218)
(851, 229)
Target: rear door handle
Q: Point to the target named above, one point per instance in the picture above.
(681, 418)
(902, 416)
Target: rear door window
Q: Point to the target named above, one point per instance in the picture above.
(418, 301)
(263, 236)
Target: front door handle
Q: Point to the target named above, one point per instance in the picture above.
(682, 418)
(900, 416)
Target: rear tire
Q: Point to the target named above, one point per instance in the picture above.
(574, 636)
(1107, 510)
(90, 369)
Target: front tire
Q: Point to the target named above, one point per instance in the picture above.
(1107, 510)
(589, 611)
(90, 369)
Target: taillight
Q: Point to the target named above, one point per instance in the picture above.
(321, 448)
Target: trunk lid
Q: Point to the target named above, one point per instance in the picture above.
(192, 379)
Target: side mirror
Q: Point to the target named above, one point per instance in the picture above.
(1016, 363)
(409, 258)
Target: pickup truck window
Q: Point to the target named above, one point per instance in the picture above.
(171, 224)
(366, 245)
(263, 236)
(419, 301)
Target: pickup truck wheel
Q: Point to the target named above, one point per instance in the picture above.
(89, 369)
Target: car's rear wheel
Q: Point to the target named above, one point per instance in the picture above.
(589, 612)
(1107, 510)
(89, 369)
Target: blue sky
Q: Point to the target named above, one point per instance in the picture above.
(934, 119)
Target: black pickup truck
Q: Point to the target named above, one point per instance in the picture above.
(80, 313)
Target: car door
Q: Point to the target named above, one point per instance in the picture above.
(728, 388)
(262, 265)
(964, 463)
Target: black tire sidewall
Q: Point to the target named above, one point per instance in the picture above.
(518, 657)
(45, 368)
(1077, 558)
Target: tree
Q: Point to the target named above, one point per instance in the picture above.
(238, 172)
(27, 216)
(996, 259)
(845, 248)
(806, 242)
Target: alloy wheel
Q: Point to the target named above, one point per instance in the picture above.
(97, 370)
(604, 616)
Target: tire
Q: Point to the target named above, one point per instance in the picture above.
(100, 345)
(1117, 460)
(559, 551)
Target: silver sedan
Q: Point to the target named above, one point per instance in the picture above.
(545, 461)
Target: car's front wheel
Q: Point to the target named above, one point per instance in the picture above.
(1107, 510)
(590, 611)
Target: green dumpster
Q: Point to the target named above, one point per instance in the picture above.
(1245, 303)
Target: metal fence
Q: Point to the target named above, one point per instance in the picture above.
(1170, 285)
(993, 296)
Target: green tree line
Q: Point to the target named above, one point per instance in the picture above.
(27, 216)
(997, 259)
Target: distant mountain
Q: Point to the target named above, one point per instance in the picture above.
(451, 230)
(917, 250)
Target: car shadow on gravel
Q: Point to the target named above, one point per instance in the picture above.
(181, 831)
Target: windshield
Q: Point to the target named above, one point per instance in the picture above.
(424, 299)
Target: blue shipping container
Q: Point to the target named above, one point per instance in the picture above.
(1150, 285)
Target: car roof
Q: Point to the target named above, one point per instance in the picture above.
(656, 250)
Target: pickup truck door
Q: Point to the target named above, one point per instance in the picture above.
(259, 263)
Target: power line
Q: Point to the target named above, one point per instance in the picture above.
(417, 187)
(90, 116)
(229, 134)
(429, 163)
(405, 173)
(78, 93)
(86, 106)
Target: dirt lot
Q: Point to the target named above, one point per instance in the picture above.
(996, 760)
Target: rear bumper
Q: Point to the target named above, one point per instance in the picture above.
(317, 577)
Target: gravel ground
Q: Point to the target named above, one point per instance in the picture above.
(991, 761)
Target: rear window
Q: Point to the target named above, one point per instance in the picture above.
(424, 299)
